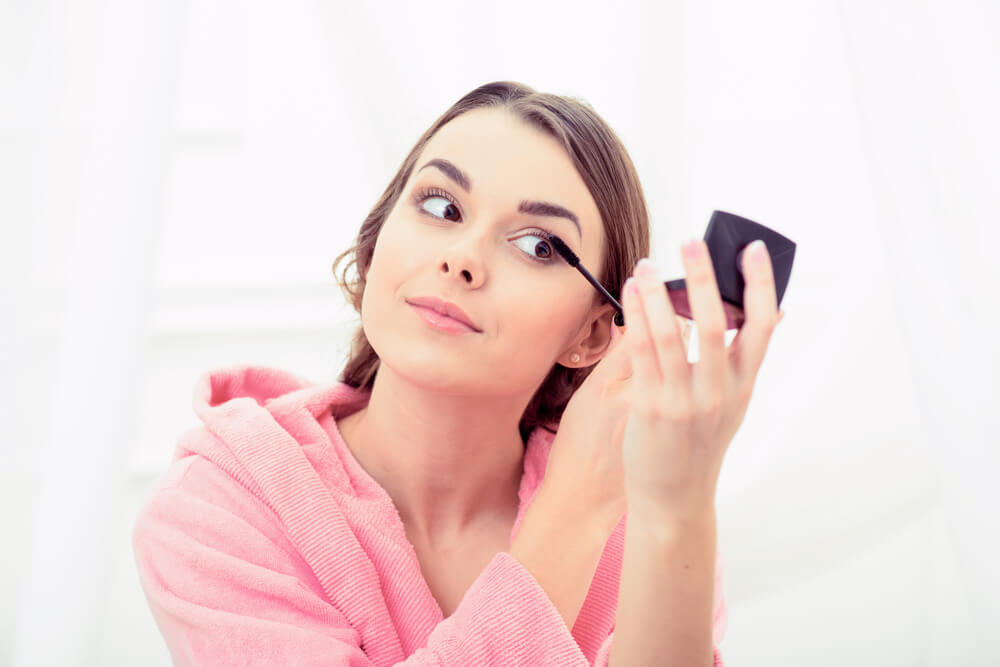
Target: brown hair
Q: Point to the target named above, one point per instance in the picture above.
(606, 169)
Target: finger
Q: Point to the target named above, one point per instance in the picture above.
(663, 326)
(706, 308)
(645, 367)
(761, 309)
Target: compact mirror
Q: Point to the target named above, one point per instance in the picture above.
(727, 237)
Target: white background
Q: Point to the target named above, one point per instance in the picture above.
(177, 178)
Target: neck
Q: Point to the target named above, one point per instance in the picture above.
(451, 461)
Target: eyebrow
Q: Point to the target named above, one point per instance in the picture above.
(525, 206)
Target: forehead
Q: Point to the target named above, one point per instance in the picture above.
(508, 160)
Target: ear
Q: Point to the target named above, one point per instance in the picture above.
(593, 340)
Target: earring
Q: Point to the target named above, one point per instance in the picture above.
(575, 358)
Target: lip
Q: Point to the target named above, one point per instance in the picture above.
(449, 310)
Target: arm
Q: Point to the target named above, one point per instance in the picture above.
(561, 544)
(565, 573)
(667, 575)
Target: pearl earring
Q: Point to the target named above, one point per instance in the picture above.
(574, 357)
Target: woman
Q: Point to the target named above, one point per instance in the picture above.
(458, 497)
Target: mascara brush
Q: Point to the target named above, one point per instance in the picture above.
(574, 261)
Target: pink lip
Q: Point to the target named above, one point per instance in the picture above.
(443, 314)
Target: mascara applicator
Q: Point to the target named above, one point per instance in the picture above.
(574, 261)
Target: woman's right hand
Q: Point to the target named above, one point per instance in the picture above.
(585, 462)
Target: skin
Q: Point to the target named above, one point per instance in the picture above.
(440, 431)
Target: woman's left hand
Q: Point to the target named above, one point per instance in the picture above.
(682, 416)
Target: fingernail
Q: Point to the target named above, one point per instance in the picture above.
(692, 249)
(757, 251)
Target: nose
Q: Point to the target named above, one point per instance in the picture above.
(464, 273)
(463, 260)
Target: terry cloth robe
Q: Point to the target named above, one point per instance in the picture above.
(266, 543)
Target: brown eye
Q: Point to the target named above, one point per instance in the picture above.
(540, 250)
(447, 210)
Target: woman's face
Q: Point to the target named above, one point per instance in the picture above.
(470, 245)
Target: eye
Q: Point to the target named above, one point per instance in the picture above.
(541, 252)
(444, 203)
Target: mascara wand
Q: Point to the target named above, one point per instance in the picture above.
(574, 261)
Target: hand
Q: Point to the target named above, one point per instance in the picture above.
(682, 416)
(585, 462)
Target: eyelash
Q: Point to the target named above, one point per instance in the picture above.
(420, 196)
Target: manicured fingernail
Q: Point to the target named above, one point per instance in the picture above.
(631, 287)
(757, 251)
(692, 249)
(645, 267)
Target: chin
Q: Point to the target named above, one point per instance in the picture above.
(434, 372)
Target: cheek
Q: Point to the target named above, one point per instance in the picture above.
(399, 250)
(378, 288)
(397, 257)
(394, 255)
(542, 320)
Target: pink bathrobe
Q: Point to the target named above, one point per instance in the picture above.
(267, 543)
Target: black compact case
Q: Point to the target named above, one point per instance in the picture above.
(727, 237)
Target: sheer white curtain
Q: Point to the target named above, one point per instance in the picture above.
(89, 271)
(178, 176)
(927, 105)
